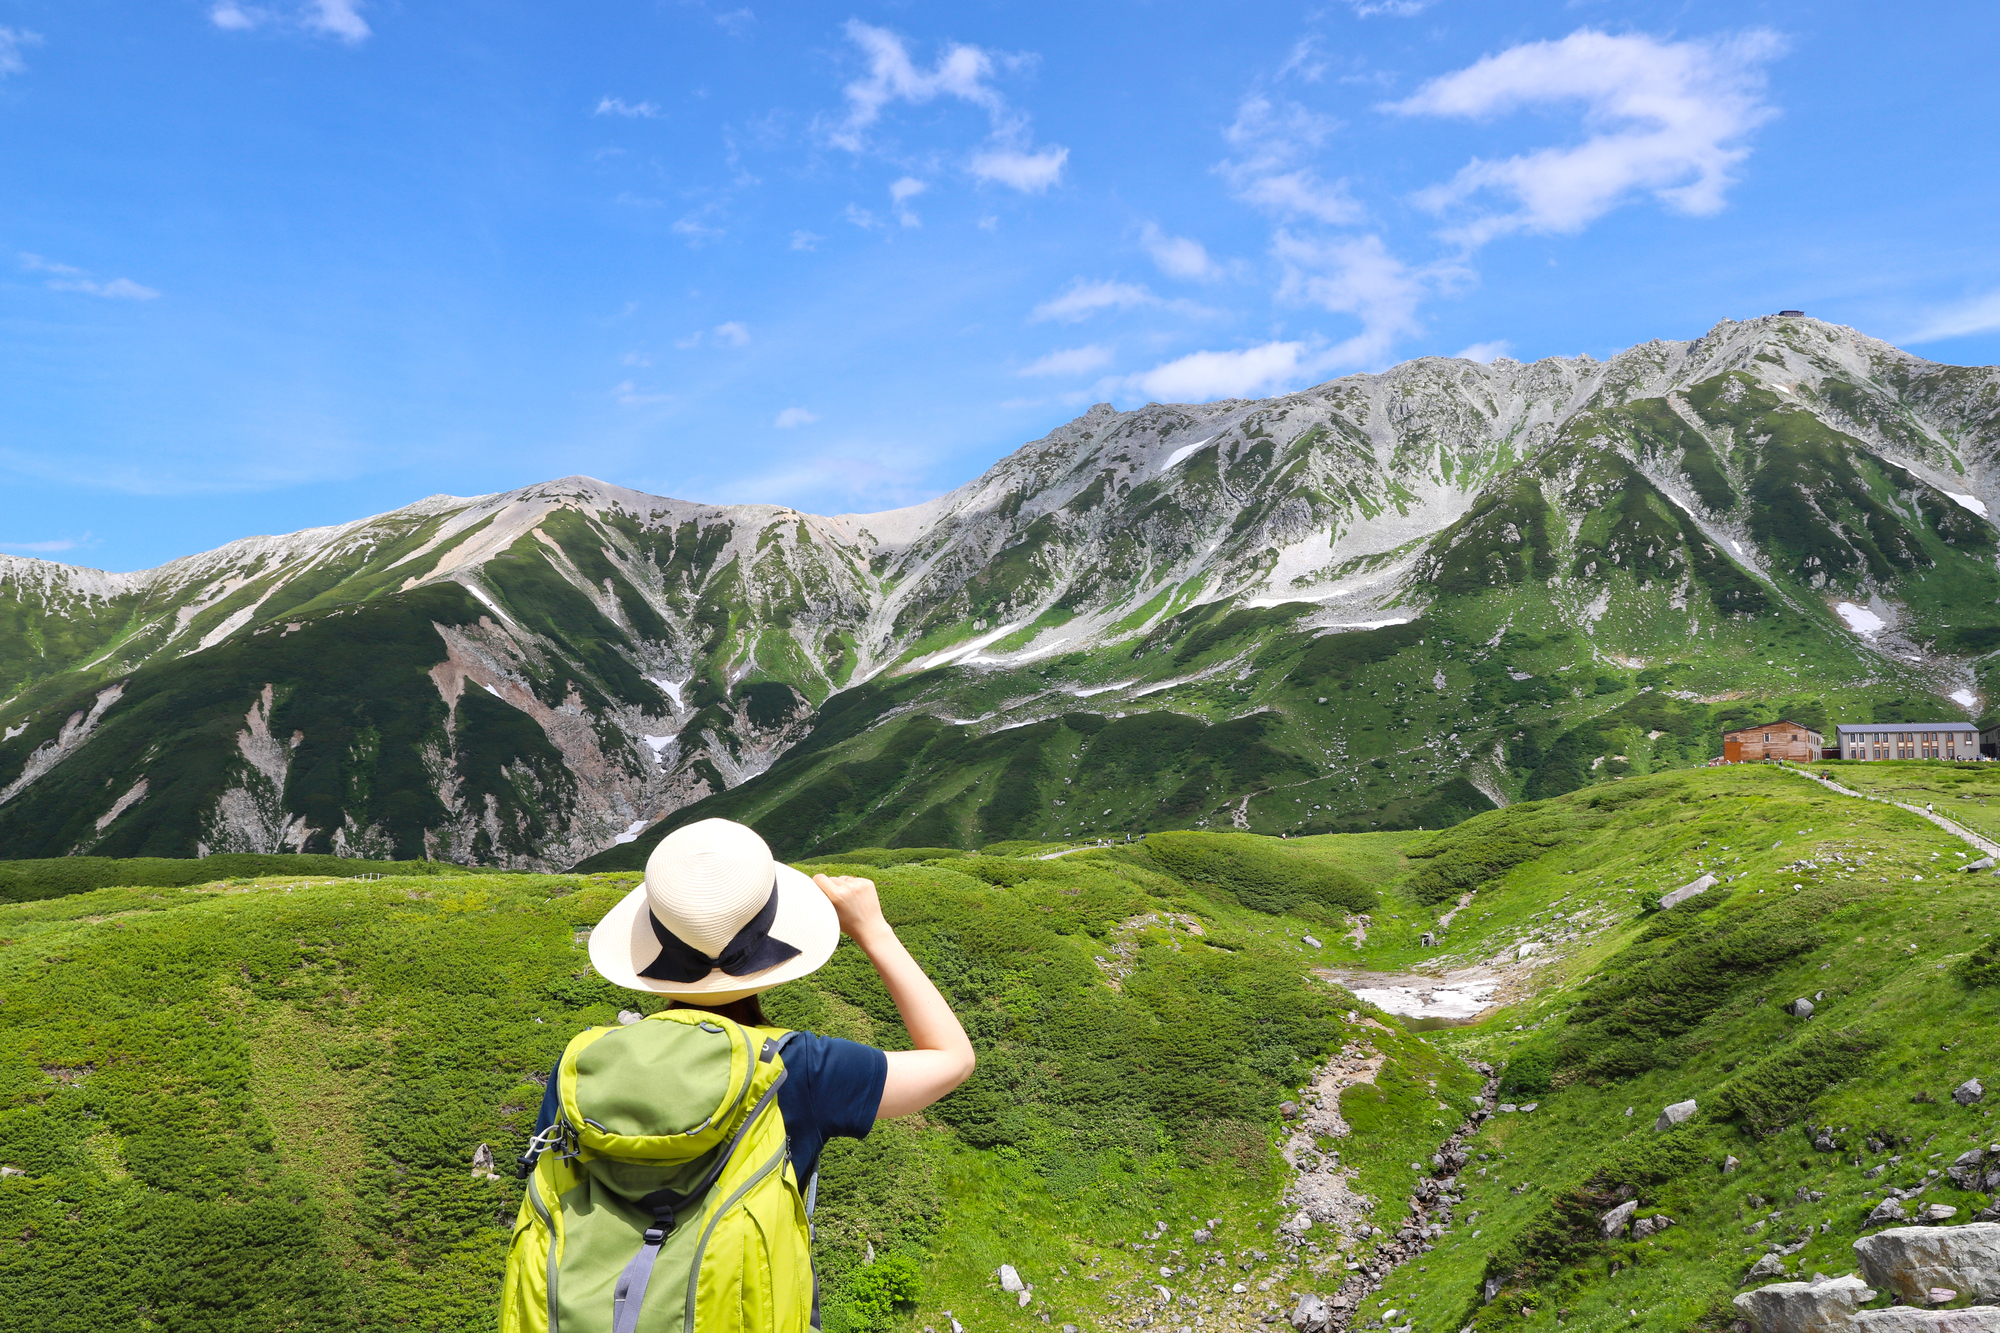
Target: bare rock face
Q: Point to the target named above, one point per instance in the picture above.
(1909, 1261)
(1825, 1306)
(1909, 1319)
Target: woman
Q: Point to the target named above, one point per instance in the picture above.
(651, 1135)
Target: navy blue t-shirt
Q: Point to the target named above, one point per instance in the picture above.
(833, 1087)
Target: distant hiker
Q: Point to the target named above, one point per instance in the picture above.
(673, 1169)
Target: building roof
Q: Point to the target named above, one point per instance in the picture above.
(1847, 728)
(1782, 724)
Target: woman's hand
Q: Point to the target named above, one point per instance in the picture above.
(855, 903)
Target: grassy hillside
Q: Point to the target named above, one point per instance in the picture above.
(279, 1085)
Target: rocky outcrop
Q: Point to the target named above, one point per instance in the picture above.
(1911, 1261)
(1908, 1319)
(1826, 1305)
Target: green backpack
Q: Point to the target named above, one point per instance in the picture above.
(663, 1197)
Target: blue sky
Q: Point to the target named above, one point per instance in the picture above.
(264, 266)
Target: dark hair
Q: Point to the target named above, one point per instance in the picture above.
(749, 1011)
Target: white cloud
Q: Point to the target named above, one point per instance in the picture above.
(900, 193)
(1981, 314)
(46, 548)
(1401, 9)
(1356, 275)
(862, 217)
(635, 359)
(11, 42)
(696, 230)
(962, 72)
(330, 18)
(806, 240)
(732, 334)
(618, 106)
(1269, 142)
(1307, 61)
(1030, 173)
(1249, 373)
(70, 278)
(1071, 361)
(1485, 353)
(793, 417)
(1664, 117)
(1085, 299)
(1178, 256)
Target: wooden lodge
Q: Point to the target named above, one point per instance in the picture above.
(1771, 740)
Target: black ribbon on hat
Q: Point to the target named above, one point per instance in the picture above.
(751, 949)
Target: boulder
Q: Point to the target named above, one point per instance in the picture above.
(1770, 1265)
(1023, 1299)
(1934, 1213)
(1618, 1220)
(1968, 1092)
(1886, 1212)
(1983, 863)
(1651, 1226)
(482, 1162)
(1427, 940)
(1687, 891)
(627, 1017)
(1967, 1171)
(1824, 1305)
(1312, 1315)
(1312, 943)
(1800, 1008)
(1909, 1319)
(1677, 1114)
(1288, 1110)
(1011, 1280)
(1729, 1164)
(1909, 1261)
(1202, 1236)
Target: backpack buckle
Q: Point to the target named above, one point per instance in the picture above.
(654, 1235)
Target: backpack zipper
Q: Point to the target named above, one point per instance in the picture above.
(701, 1246)
(542, 1210)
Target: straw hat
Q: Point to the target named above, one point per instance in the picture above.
(717, 919)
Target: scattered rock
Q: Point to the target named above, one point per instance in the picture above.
(1023, 1299)
(1934, 1213)
(1983, 863)
(1887, 1211)
(1202, 1236)
(1289, 1110)
(1768, 1266)
(1312, 943)
(1687, 891)
(1011, 1280)
(6, 1171)
(1651, 1226)
(1911, 1260)
(1298, 1224)
(1615, 1222)
(1823, 1305)
(1489, 1290)
(1678, 1113)
(1529, 950)
(1968, 1092)
(1529, 1106)
(627, 1017)
(1312, 1315)
(1943, 1295)
(1800, 1008)
(1506, 1106)
(1729, 1164)
(1824, 1142)
(482, 1163)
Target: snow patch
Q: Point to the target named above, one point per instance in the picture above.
(632, 830)
(1736, 546)
(672, 689)
(12, 732)
(1373, 624)
(658, 743)
(1184, 452)
(1972, 502)
(1084, 692)
(946, 656)
(490, 690)
(1419, 999)
(1965, 697)
(1860, 619)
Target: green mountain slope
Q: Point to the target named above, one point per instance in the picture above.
(1545, 575)
(281, 1086)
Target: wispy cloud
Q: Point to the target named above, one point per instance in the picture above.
(339, 19)
(11, 42)
(1400, 9)
(1358, 276)
(900, 194)
(805, 240)
(1485, 353)
(794, 417)
(618, 106)
(1980, 314)
(1669, 118)
(629, 394)
(1270, 141)
(734, 333)
(1070, 361)
(1084, 299)
(69, 278)
(962, 73)
(1179, 256)
(47, 547)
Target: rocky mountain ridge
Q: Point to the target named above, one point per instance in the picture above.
(560, 666)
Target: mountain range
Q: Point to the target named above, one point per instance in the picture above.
(1389, 601)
